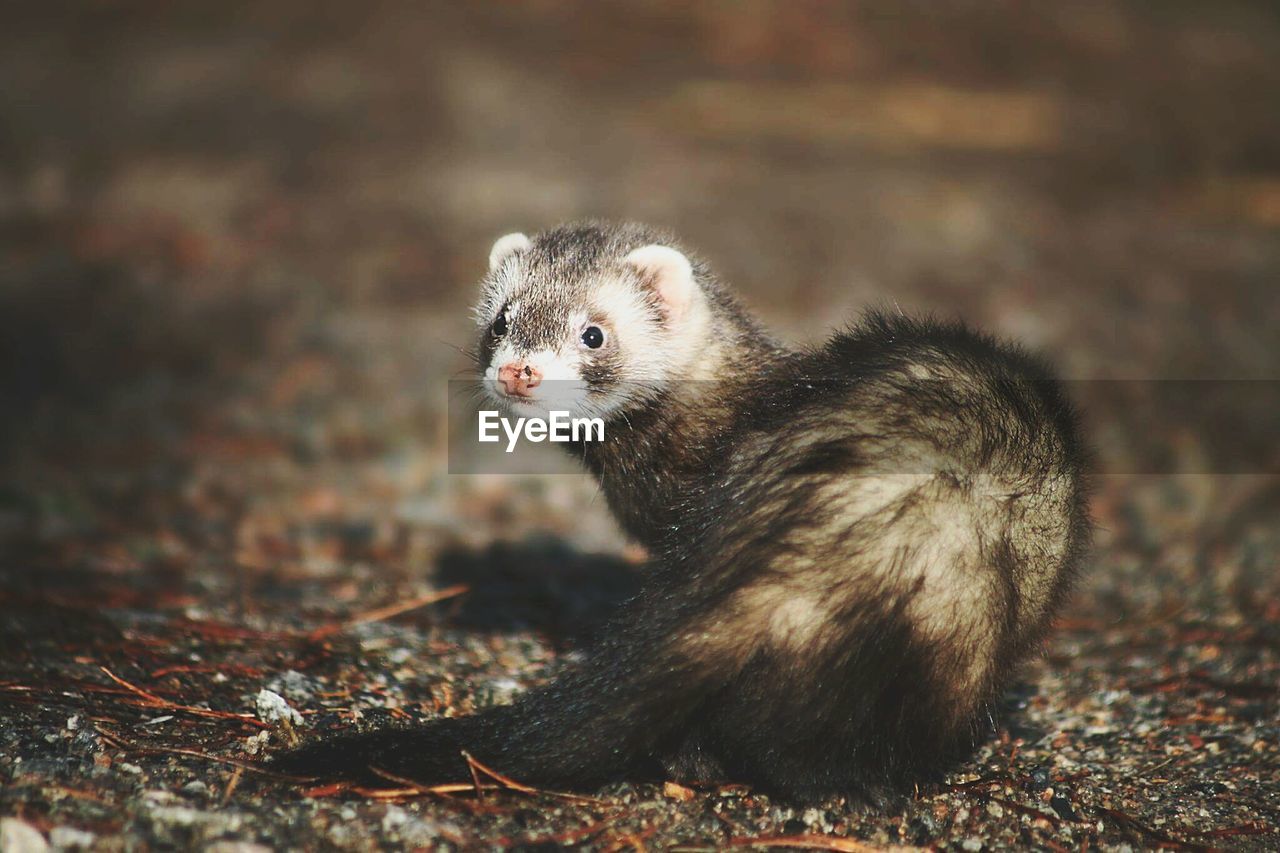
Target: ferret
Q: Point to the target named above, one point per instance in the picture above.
(853, 543)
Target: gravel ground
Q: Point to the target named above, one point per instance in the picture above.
(237, 248)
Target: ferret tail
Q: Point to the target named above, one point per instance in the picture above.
(609, 719)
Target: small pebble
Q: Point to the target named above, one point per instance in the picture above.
(70, 838)
(18, 836)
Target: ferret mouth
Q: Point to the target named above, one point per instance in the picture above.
(528, 402)
(519, 403)
(555, 398)
(502, 398)
(570, 396)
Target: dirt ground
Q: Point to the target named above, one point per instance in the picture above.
(238, 243)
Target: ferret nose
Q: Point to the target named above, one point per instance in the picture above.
(518, 378)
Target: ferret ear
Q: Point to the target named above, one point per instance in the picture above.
(670, 275)
(505, 247)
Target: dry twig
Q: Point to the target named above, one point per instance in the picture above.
(512, 784)
(381, 613)
(120, 743)
(816, 842)
(155, 701)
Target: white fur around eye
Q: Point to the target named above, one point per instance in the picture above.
(631, 328)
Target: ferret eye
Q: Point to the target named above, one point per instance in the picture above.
(500, 325)
(593, 337)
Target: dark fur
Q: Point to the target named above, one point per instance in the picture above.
(734, 486)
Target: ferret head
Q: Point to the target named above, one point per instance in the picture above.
(589, 319)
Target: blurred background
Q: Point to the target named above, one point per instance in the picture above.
(252, 232)
(239, 242)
